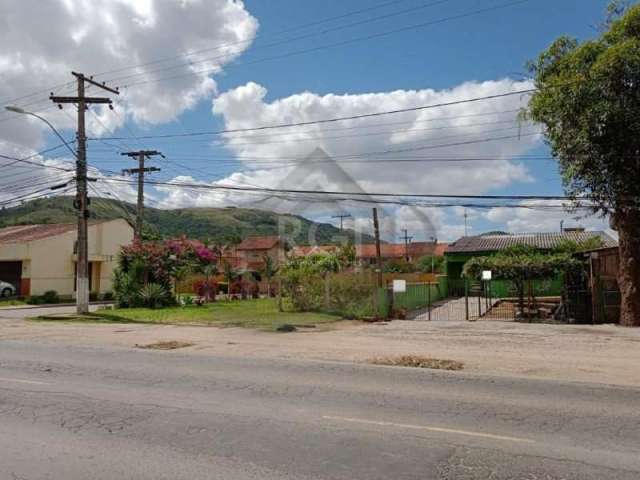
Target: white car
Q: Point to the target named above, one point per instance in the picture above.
(6, 289)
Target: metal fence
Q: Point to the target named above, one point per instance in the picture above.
(464, 300)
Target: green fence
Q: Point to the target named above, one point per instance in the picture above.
(416, 296)
(540, 288)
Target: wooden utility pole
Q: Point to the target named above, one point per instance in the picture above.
(81, 202)
(406, 239)
(376, 229)
(141, 155)
(341, 217)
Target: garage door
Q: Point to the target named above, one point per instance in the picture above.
(11, 272)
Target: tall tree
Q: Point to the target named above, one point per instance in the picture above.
(588, 98)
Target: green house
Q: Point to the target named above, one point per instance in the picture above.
(465, 248)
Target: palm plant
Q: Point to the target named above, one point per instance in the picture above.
(152, 295)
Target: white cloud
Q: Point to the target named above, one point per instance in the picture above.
(245, 107)
(540, 217)
(42, 42)
(269, 151)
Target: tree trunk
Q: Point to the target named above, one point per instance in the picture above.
(627, 222)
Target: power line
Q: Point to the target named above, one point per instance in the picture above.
(335, 119)
(341, 43)
(217, 47)
(285, 41)
(361, 194)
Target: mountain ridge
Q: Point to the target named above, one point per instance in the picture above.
(219, 225)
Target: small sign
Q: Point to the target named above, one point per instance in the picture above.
(399, 286)
(486, 275)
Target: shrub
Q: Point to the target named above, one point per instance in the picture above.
(126, 288)
(50, 296)
(429, 263)
(206, 288)
(34, 300)
(398, 266)
(93, 296)
(153, 295)
(187, 300)
(107, 296)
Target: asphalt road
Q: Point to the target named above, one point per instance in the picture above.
(94, 413)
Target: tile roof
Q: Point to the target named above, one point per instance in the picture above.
(259, 243)
(398, 250)
(544, 241)
(304, 250)
(29, 233)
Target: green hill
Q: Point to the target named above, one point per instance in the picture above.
(220, 225)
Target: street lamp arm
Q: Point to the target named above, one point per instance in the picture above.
(20, 110)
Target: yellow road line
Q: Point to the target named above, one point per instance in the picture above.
(429, 428)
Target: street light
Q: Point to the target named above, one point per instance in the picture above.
(81, 304)
(22, 111)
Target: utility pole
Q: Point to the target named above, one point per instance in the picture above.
(376, 229)
(466, 215)
(81, 202)
(341, 217)
(407, 239)
(141, 155)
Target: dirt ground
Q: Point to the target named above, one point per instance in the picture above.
(601, 354)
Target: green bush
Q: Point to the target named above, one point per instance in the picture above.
(93, 296)
(187, 300)
(50, 296)
(429, 264)
(398, 266)
(107, 296)
(126, 288)
(34, 300)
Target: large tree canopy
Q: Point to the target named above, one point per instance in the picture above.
(588, 98)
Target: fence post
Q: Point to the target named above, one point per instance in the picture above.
(490, 295)
(479, 304)
(466, 299)
(429, 300)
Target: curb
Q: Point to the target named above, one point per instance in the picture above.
(50, 305)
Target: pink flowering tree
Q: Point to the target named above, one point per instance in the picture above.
(162, 262)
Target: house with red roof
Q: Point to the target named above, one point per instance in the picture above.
(250, 253)
(366, 253)
(37, 258)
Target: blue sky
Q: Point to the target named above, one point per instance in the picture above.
(486, 47)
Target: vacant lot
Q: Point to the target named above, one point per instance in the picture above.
(261, 314)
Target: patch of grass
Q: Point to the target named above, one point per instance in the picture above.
(168, 345)
(418, 361)
(11, 302)
(260, 314)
